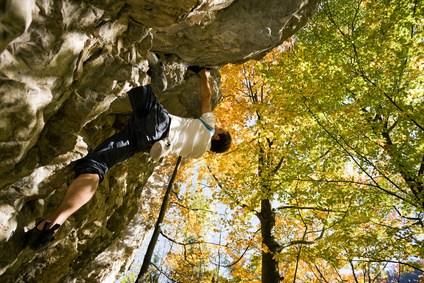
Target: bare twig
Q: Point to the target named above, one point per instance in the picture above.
(163, 273)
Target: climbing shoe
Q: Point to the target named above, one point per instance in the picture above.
(155, 72)
(38, 239)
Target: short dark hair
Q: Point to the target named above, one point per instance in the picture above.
(223, 144)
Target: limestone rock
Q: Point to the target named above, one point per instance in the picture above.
(65, 67)
(244, 30)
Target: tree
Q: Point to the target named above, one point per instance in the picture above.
(186, 252)
(327, 171)
(153, 241)
(355, 77)
(341, 120)
(252, 178)
(364, 87)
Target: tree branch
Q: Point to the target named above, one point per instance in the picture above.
(193, 209)
(163, 273)
(338, 181)
(356, 162)
(418, 219)
(308, 208)
(298, 256)
(353, 271)
(230, 196)
(372, 260)
(320, 273)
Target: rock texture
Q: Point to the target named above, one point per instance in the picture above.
(64, 69)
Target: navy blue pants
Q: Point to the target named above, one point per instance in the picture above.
(149, 123)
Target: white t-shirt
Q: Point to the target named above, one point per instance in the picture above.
(189, 137)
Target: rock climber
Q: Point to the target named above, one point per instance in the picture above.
(151, 129)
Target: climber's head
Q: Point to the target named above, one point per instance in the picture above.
(221, 141)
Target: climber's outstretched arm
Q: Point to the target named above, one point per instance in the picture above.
(205, 91)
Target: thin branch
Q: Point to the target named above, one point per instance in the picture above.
(280, 163)
(355, 18)
(391, 100)
(303, 241)
(190, 243)
(310, 208)
(360, 155)
(242, 255)
(418, 219)
(163, 273)
(320, 273)
(330, 17)
(371, 260)
(194, 209)
(355, 161)
(421, 170)
(353, 271)
(338, 181)
(379, 273)
(338, 274)
(207, 243)
(236, 261)
(298, 256)
(312, 270)
(233, 198)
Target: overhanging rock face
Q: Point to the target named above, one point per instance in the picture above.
(65, 67)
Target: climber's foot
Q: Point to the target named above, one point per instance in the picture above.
(38, 239)
(155, 72)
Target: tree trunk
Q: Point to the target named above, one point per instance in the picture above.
(270, 271)
(149, 253)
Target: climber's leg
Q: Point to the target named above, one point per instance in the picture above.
(89, 172)
(80, 191)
